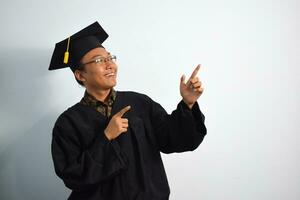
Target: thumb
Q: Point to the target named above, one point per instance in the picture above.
(182, 79)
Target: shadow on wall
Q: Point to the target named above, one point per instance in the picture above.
(26, 168)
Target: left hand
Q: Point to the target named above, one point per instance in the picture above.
(191, 90)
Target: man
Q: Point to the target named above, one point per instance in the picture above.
(107, 146)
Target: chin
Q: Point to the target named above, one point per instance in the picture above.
(112, 85)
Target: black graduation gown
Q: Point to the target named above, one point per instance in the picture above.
(129, 167)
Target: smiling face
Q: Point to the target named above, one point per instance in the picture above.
(97, 76)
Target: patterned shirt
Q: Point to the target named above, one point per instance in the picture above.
(102, 107)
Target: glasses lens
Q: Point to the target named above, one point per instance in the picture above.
(99, 60)
(113, 58)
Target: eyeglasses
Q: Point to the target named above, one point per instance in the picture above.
(102, 60)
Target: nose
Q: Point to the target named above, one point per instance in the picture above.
(108, 65)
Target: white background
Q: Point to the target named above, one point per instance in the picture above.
(249, 51)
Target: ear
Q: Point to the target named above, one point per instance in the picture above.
(79, 76)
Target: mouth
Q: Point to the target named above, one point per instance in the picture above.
(110, 74)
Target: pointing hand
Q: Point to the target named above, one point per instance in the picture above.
(191, 90)
(117, 124)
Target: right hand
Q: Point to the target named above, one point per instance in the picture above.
(117, 124)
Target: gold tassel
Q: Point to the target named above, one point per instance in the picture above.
(66, 56)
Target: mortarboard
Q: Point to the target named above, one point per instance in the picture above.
(68, 52)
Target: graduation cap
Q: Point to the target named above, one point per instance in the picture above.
(68, 52)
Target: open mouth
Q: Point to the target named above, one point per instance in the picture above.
(110, 74)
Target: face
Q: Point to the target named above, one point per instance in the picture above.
(98, 76)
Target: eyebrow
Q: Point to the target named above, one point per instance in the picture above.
(96, 56)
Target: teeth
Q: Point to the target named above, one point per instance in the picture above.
(110, 74)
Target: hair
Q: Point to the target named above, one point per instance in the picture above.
(81, 68)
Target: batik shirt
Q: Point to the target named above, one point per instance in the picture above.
(102, 107)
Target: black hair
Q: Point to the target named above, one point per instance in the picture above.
(79, 67)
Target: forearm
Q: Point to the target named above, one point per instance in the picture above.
(81, 168)
(183, 130)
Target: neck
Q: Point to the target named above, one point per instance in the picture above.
(100, 94)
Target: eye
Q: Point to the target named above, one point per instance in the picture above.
(99, 60)
(112, 58)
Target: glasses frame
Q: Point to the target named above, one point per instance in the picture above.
(102, 60)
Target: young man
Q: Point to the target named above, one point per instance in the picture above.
(107, 146)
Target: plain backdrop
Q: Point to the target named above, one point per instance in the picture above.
(249, 51)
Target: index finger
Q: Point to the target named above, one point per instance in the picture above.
(195, 71)
(123, 111)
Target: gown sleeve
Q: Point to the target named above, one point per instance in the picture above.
(79, 168)
(182, 130)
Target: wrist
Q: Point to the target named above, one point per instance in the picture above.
(106, 133)
(190, 105)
